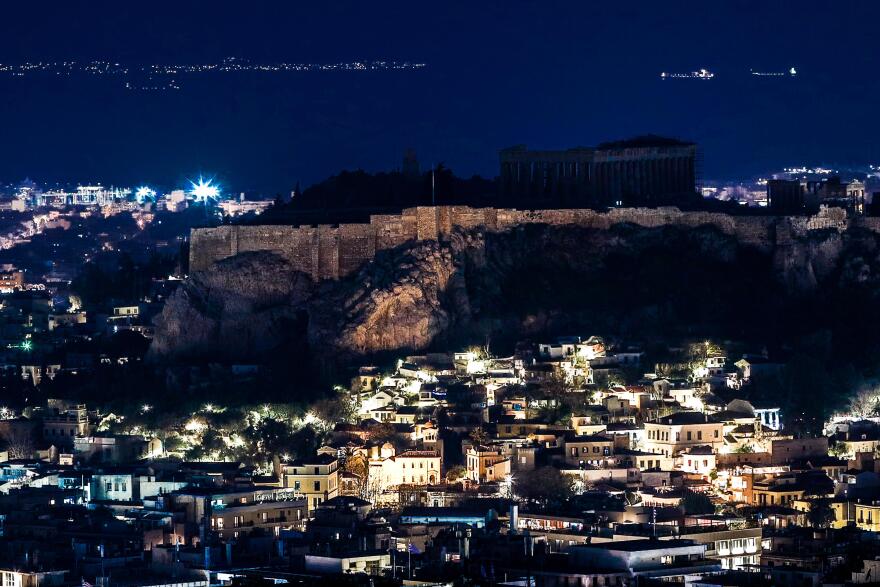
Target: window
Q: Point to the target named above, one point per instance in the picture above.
(108, 486)
(317, 486)
(689, 434)
(296, 485)
(716, 434)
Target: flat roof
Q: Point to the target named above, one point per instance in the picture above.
(639, 545)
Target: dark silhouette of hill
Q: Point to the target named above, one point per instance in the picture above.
(351, 196)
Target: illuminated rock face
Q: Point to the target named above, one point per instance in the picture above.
(666, 279)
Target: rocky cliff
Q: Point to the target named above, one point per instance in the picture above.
(532, 279)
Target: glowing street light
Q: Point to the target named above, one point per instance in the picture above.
(144, 193)
(27, 345)
(204, 190)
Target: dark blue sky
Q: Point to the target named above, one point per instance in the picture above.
(549, 74)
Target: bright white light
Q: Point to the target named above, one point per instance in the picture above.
(195, 425)
(204, 190)
(144, 193)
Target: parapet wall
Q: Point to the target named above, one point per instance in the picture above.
(334, 251)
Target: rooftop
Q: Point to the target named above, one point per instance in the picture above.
(639, 545)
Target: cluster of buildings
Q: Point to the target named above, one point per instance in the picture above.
(803, 190)
(571, 462)
(797, 196)
(44, 334)
(113, 200)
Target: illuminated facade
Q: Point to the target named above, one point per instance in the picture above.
(316, 479)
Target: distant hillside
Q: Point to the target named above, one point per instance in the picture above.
(351, 196)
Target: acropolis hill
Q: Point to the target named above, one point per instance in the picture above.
(334, 251)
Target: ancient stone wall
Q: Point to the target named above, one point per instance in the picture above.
(331, 251)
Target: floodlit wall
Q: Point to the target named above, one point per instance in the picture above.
(334, 251)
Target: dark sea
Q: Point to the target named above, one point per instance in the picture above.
(265, 132)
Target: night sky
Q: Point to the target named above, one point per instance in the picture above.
(548, 74)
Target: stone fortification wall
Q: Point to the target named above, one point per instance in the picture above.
(331, 251)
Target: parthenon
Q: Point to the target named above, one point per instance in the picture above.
(643, 171)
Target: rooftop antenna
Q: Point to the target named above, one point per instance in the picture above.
(432, 185)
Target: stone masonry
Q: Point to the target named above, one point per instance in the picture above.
(334, 251)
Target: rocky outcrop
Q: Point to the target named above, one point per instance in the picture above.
(531, 279)
(238, 308)
(403, 299)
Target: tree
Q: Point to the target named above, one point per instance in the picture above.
(455, 473)
(382, 432)
(865, 403)
(305, 441)
(335, 409)
(19, 442)
(356, 464)
(821, 514)
(479, 436)
(273, 436)
(556, 385)
(694, 503)
(546, 487)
